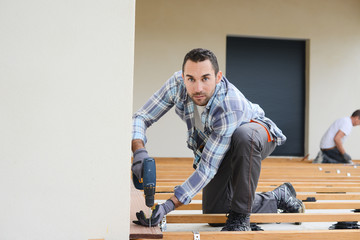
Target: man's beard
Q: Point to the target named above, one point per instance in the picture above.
(200, 102)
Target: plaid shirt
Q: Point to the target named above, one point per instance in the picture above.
(226, 110)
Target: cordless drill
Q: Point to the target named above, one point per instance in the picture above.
(148, 181)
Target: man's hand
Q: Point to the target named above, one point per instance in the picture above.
(347, 158)
(159, 212)
(137, 165)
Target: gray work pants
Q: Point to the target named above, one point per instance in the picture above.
(234, 185)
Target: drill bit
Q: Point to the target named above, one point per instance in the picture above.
(150, 214)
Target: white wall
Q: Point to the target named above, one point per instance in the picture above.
(166, 30)
(66, 75)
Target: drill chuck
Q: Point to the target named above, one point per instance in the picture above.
(149, 196)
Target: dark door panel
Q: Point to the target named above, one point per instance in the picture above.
(271, 73)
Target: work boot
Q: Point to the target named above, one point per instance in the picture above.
(285, 196)
(237, 222)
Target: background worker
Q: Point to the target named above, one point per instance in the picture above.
(331, 145)
(229, 136)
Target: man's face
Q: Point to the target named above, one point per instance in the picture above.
(357, 121)
(200, 81)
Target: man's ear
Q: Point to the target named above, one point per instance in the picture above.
(218, 77)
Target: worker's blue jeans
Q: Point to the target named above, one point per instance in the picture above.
(234, 185)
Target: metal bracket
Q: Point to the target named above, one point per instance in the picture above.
(310, 199)
(196, 235)
(345, 225)
(163, 226)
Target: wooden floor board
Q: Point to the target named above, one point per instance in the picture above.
(323, 181)
(308, 205)
(137, 231)
(266, 217)
(162, 187)
(268, 235)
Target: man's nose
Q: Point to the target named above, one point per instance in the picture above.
(198, 86)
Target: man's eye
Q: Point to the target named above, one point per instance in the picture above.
(190, 79)
(205, 78)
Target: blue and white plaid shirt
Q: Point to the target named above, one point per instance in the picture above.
(226, 110)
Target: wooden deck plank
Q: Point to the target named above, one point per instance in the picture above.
(316, 167)
(301, 196)
(271, 160)
(137, 231)
(266, 217)
(268, 235)
(265, 172)
(308, 205)
(282, 179)
(170, 187)
(278, 183)
(322, 181)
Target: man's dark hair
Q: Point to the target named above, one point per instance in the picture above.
(199, 55)
(356, 113)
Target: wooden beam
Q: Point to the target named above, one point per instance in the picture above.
(275, 184)
(271, 172)
(282, 178)
(266, 217)
(311, 184)
(308, 205)
(268, 235)
(329, 196)
(162, 187)
(301, 196)
(332, 205)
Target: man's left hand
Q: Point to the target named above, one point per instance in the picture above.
(159, 212)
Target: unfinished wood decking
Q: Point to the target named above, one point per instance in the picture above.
(336, 182)
(139, 232)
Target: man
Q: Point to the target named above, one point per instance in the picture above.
(331, 145)
(229, 136)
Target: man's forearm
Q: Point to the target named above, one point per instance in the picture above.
(137, 144)
(337, 139)
(340, 147)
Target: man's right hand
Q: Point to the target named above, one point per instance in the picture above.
(137, 165)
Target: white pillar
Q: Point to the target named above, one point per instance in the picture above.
(66, 77)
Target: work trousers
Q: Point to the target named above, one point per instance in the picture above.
(234, 185)
(334, 156)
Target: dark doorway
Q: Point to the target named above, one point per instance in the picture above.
(271, 73)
